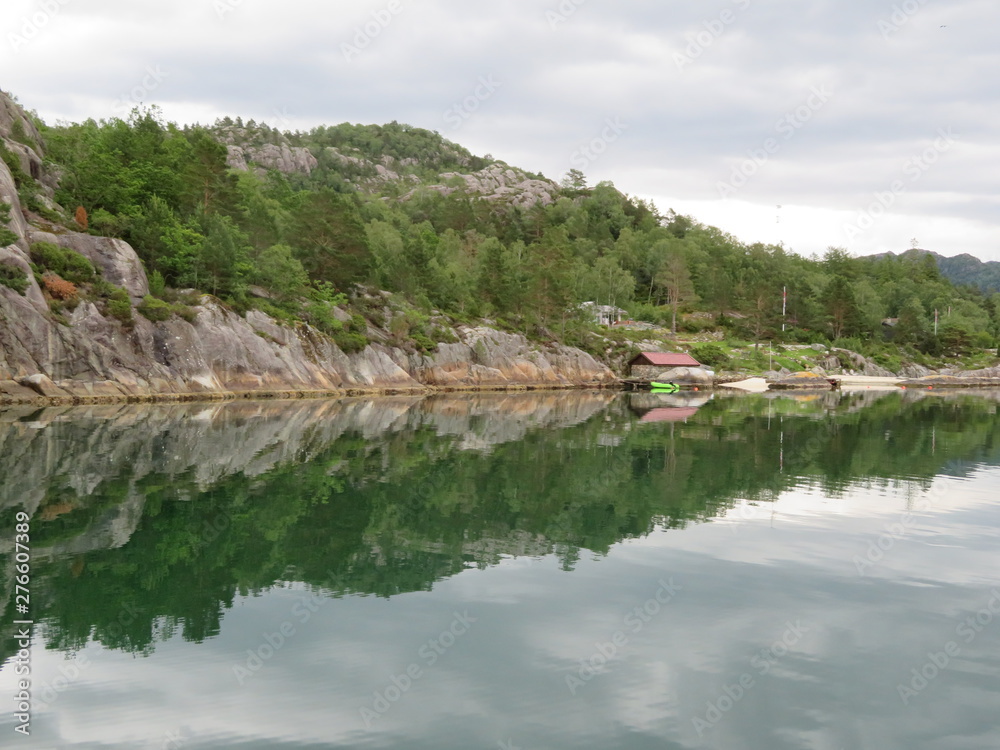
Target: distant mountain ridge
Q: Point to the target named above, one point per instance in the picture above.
(959, 269)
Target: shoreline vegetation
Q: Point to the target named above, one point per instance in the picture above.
(143, 261)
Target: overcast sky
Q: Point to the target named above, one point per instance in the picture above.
(870, 123)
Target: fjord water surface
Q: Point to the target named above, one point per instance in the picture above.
(554, 570)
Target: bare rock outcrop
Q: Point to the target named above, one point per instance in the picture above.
(114, 258)
(700, 376)
(281, 157)
(498, 182)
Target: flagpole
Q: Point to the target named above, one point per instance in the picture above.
(784, 307)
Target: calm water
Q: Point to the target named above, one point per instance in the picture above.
(576, 570)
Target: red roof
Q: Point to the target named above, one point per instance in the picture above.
(665, 359)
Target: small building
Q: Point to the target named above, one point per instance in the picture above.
(648, 365)
(605, 315)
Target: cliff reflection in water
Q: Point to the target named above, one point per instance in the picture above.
(170, 512)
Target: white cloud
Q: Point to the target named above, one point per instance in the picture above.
(688, 126)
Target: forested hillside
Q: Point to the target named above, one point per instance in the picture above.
(290, 223)
(965, 269)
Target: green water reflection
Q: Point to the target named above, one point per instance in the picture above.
(149, 524)
(173, 511)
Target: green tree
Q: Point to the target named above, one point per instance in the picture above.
(223, 263)
(912, 326)
(281, 272)
(843, 313)
(575, 180)
(674, 280)
(329, 237)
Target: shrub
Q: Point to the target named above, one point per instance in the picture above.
(320, 315)
(891, 362)
(350, 342)
(154, 309)
(13, 163)
(853, 345)
(14, 278)
(105, 223)
(59, 288)
(696, 325)
(443, 335)
(423, 343)
(184, 312)
(982, 340)
(649, 313)
(358, 323)
(157, 284)
(63, 262)
(120, 309)
(7, 237)
(712, 355)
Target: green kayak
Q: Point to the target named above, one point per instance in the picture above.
(665, 386)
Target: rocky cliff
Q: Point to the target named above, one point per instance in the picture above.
(85, 353)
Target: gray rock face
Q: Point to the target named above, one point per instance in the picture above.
(859, 365)
(486, 357)
(989, 372)
(873, 370)
(284, 158)
(499, 182)
(914, 371)
(687, 376)
(115, 258)
(8, 195)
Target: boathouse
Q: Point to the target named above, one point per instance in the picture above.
(649, 365)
